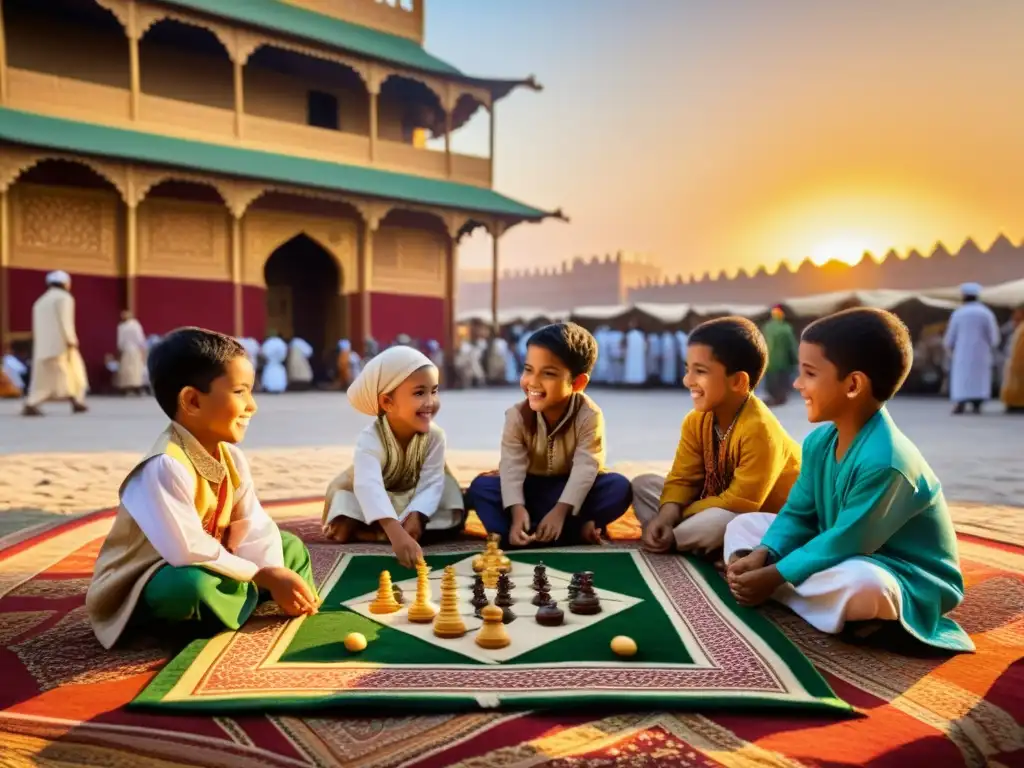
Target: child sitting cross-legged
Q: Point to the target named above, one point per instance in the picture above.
(865, 541)
(551, 486)
(398, 486)
(190, 544)
(733, 457)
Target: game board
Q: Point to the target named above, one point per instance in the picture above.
(695, 647)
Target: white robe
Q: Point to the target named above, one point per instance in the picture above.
(131, 345)
(971, 339)
(681, 340)
(15, 371)
(635, 371)
(252, 350)
(654, 353)
(274, 378)
(615, 356)
(58, 371)
(669, 359)
(299, 369)
(602, 368)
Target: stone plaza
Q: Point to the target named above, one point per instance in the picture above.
(64, 464)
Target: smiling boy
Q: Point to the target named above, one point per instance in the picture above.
(733, 455)
(190, 543)
(551, 486)
(865, 535)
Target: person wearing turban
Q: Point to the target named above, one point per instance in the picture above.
(971, 340)
(398, 485)
(58, 371)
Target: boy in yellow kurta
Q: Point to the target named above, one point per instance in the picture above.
(733, 455)
(190, 542)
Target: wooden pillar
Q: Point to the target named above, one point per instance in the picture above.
(239, 98)
(5, 259)
(365, 282)
(131, 266)
(238, 321)
(3, 57)
(373, 123)
(496, 231)
(135, 76)
(450, 289)
(491, 140)
(448, 143)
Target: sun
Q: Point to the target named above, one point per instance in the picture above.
(845, 248)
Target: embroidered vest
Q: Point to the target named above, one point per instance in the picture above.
(127, 560)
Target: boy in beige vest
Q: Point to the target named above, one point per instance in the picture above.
(190, 542)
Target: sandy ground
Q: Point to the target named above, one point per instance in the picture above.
(64, 464)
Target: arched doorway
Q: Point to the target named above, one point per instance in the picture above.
(304, 297)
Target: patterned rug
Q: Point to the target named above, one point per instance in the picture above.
(63, 700)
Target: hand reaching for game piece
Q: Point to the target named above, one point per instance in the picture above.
(755, 587)
(406, 548)
(519, 534)
(550, 527)
(413, 525)
(291, 593)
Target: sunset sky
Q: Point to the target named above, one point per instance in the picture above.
(718, 134)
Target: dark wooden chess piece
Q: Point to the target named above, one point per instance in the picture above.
(504, 597)
(540, 579)
(479, 596)
(542, 597)
(397, 592)
(586, 602)
(549, 614)
(507, 617)
(574, 585)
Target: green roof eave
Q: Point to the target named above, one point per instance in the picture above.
(97, 140)
(301, 23)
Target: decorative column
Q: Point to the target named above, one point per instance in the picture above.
(370, 224)
(373, 84)
(451, 283)
(238, 320)
(497, 230)
(131, 256)
(239, 97)
(3, 57)
(491, 139)
(133, 62)
(449, 107)
(5, 259)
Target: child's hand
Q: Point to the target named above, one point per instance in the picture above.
(550, 527)
(755, 587)
(519, 534)
(407, 549)
(659, 535)
(413, 525)
(590, 533)
(749, 562)
(291, 593)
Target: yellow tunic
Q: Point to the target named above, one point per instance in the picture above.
(761, 463)
(127, 559)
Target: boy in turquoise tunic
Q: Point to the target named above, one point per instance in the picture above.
(865, 535)
(190, 543)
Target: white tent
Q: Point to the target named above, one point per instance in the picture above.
(1008, 295)
(826, 303)
(525, 315)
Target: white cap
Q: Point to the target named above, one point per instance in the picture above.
(58, 277)
(970, 290)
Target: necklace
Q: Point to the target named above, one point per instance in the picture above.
(723, 436)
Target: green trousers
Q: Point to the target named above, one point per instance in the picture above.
(193, 595)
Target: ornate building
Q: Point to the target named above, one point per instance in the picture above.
(244, 165)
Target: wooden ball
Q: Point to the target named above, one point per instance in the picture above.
(623, 646)
(355, 642)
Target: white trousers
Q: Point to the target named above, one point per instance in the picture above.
(704, 532)
(855, 590)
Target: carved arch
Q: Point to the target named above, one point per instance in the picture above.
(249, 43)
(145, 180)
(16, 162)
(258, 260)
(120, 10)
(148, 16)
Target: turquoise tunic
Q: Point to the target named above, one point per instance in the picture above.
(882, 502)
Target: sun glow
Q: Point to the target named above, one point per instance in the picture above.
(845, 248)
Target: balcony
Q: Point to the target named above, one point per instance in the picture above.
(74, 99)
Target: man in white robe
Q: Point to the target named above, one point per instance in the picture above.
(58, 371)
(616, 353)
(274, 378)
(669, 360)
(300, 372)
(654, 353)
(133, 352)
(635, 372)
(971, 340)
(603, 365)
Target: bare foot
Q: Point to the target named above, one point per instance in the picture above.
(341, 529)
(590, 533)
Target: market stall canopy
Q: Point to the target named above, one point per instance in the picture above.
(826, 303)
(1004, 295)
(670, 314)
(525, 315)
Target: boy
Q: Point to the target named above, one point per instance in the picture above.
(865, 535)
(733, 455)
(551, 487)
(190, 541)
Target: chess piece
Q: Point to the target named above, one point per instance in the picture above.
(540, 579)
(586, 602)
(448, 622)
(574, 585)
(479, 564)
(505, 584)
(504, 564)
(422, 610)
(549, 614)
(491, 577)
(542, 597)
(507, 616)
(399, 596)
(385, 601)
(492, 634)
(504, 597)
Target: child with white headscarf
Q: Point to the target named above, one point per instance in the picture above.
(398, 485)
